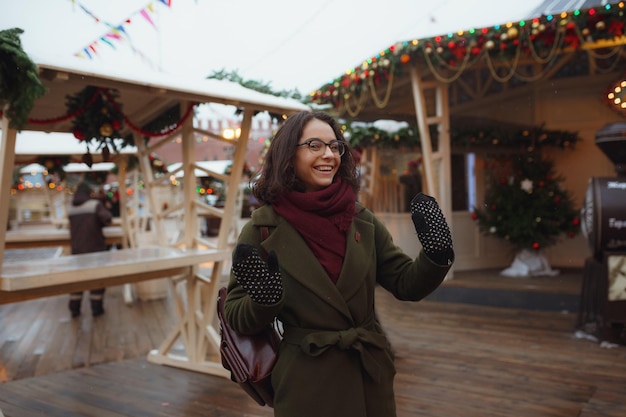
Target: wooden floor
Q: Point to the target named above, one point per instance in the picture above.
(453, 360)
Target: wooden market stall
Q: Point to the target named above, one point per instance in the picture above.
(54, 156)
(141, 99)
(554, 68)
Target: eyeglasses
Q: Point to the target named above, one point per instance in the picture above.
(318, 146)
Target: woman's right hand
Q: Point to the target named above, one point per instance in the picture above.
(260, 279)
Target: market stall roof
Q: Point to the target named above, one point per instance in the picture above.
(143, 94)
(533, 42)
(72, 167)
(30, 145)
(217, 166)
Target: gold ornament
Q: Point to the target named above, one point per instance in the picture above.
(106, 129)
(512, 32)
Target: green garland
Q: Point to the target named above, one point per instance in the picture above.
(361, 136)
(20, 85)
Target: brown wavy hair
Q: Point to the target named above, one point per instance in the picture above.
(278, 175)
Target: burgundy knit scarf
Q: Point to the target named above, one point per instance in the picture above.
(322, 218)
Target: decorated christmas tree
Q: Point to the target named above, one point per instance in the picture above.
(525, 204)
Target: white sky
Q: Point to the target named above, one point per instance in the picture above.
(287, 43)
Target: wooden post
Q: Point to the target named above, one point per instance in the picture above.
(236, 173)
(189, 183)
(437, 166)
(7, 153)
(425, 139)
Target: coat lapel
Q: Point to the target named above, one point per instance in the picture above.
(359, 256)
(299, 262)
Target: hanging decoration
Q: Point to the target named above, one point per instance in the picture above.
(18, 89)
(541, 38)
(54, 165)
(99, 121)
(85, 101)
(117, 33)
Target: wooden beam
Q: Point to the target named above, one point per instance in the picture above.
(7, 151)
(421, 114)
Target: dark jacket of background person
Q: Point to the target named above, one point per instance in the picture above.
(344, 383)
(87, 217)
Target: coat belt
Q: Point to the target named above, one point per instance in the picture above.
(315, 342)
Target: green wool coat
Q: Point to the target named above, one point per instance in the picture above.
(334, 360)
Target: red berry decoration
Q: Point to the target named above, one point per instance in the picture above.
(79, 134)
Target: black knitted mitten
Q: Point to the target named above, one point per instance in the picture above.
(260, 279)
(432, 229)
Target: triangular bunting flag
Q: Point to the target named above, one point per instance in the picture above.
(146, 16)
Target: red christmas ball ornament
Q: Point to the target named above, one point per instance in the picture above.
(493, 207)
(541, 183)
(474, 216)
(536, 245)
(571, 234)
(116, 124)
(557, 200)
(576, 221)
(78, 134)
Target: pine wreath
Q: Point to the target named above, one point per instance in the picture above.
(54, 164)
(99, 120)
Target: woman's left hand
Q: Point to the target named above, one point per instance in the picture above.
(432, 230)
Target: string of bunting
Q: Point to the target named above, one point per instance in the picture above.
(118, 32)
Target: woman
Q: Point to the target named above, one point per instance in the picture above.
(327, 253)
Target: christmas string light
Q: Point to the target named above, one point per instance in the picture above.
(616, 96)
(542, 38)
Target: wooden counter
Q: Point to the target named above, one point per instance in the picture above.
(31, 279)
(30, 237)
